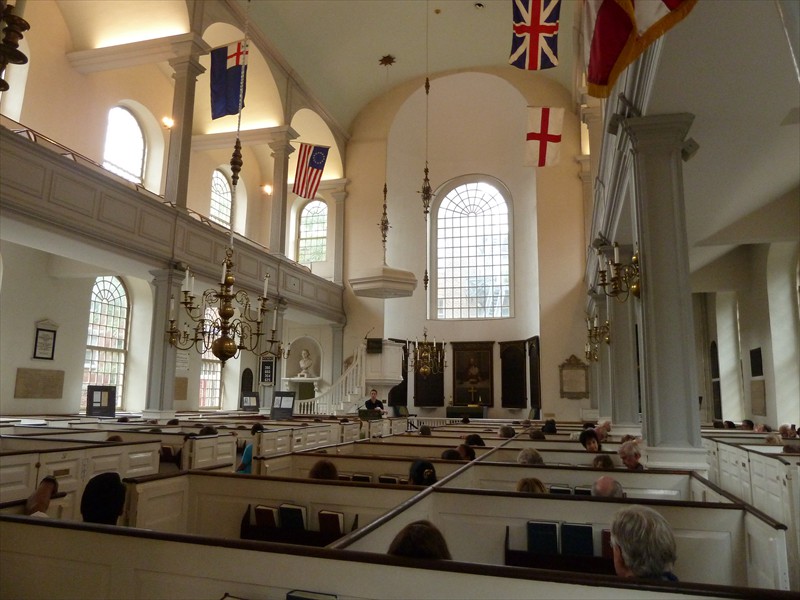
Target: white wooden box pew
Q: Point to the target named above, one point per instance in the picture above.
(575, 458)
(372, 469)
(726, 544)
(26, 461)
(385, 447)
(521, 442)
(349, 428)
(133, 564)
(431, 440)
(659, 484)
(214, 504)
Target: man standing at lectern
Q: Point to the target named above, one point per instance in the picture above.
(373, 403)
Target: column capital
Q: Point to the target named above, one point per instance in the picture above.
(667, 131)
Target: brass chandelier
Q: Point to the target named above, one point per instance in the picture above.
(618, 280)
(426, 358)
(595, 334)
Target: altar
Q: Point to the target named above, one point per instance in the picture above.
(472, 411)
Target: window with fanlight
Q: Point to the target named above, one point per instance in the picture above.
(220, 210)
(313, 233)
(470, 253)
(124, 152)
(210, 375)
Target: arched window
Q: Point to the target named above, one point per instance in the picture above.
(220, 199)
(470, 254)
(124, 152)
(210, 375)
(313, 238)
(107, 339)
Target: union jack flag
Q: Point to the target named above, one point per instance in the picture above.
(535, 42)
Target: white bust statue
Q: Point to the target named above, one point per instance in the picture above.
(306, 363)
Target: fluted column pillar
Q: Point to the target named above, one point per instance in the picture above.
(160, 401)
(281, 149)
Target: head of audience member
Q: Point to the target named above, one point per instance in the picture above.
(422, 473)
(256, 428)
(474, 439)
(730, 425)
(718, 424)
(531, 485)
(643, 543)
(791, 449)
(526, 423)
(425, 430)
(628, 438)
(323, 469)
(174, 422)
(536, 434)
(589, 440)
(103, 499)
(465, 420)
(208, 430)
(466, 452)
(114, 438)
(630, 454)
(420, 539)
(607, 487)
(602, 461)
(123, 419)
(748, 425)
(786, 431)
(451, 454)
(550, 426)
(773, 439)
(529, 456)
(39, 501)
(506, 431)
(763, 428)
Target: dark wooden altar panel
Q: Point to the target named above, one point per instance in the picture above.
(512, 370)
(534, 369)
(429, 391)
(398, 395)
(473, 373)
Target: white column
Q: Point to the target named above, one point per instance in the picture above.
(161, 368)
(624, 387)
(604, 365)
(339, 196)
(281, 149)
(671, 423)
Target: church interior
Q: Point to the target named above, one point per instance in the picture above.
(648, 275)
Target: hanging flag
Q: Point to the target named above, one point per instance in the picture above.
(616, 32)
(228, 66)
(310, 164)
(544, 135)
(535, 42)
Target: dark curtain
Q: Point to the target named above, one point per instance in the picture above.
(512, 374)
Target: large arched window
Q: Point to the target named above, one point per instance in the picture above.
(124, 151)
(471, 254)
(313, 237)
(107, 339)
(210, 375)
(220, 199)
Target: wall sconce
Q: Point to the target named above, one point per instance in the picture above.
(267, 189)
(168, 122)
(618, 281)
(595, 334)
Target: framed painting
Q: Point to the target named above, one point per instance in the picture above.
(473, 373)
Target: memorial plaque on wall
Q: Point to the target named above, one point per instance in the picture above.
(101, 400)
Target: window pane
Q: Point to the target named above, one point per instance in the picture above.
(313, 236)
(472, 253)
(220, 210)
(210, 374)
(124, 150)
(106, 339)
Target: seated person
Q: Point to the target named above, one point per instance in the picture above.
(607, 487)
(602, 461)
(748, 425)
(246, 464)
(420, 539)
(425, 430)
(643, 544)
(474, 439)
(466, 452)
(506, 431)
(451, 454)
(531, 485)
(589, 440)
(114, 438)
(208, 430)
(103, 499)
(773, 439)
(537, 434)
(730, 425)
(422, 473)
(39, 501)
(529, 456)
(787, 431)
(630, 454)
(372, 403)
(174, 422)
(550, 426)
(323, 469)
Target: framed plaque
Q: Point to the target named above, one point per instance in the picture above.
(574, 378)
(266, 369)
(44, 345)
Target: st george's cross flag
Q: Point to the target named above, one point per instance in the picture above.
(543, 140)
(228, 66)
(535, 42)
(616, 32)
(310, 164)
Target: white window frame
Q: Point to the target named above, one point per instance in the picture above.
(221, 208)
(113, 148)
(324, 237)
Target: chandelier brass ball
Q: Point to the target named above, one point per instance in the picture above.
(224, 348)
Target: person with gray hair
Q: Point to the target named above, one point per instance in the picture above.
(529, 456)
(643, 544)
(607, 487)
(630, 454)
